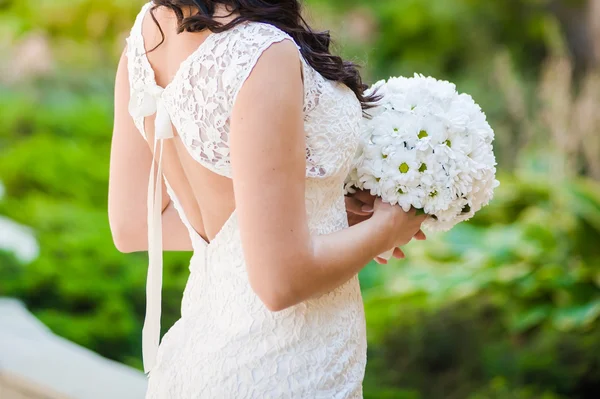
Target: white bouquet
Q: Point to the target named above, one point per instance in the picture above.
(428, 147)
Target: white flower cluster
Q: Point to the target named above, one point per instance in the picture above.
(428, 147)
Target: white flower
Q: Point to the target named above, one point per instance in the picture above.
(428, 147)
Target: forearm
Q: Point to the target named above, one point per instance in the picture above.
(331, 261)
(340, 256)
(133, 237)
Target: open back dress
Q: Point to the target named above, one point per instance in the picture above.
(227, 344)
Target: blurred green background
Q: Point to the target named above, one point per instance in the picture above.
(504, 307)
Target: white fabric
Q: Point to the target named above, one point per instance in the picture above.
(227, 344)
(153, 104)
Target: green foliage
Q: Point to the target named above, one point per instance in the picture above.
(55, 171)
(535, 248)
(454, 350)
(514, 294)
(498, 389)
(441, 37)
(82, 33)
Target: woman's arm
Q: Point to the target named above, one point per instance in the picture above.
(286, 265)
(130, 162)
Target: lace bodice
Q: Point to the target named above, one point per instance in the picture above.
(200, 98)
(227, 344)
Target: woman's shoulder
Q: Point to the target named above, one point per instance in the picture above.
(259, 35)
(244, 45)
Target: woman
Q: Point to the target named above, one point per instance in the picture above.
(248, 127)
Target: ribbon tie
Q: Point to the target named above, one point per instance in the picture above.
(149, 102)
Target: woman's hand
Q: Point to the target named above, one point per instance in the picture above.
(403, 226)
(398, 253)
(360, 207)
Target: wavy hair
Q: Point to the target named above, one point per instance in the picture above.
(285, 15)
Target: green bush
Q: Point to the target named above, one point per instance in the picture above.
(55, 172)
(512, 295)
(498, 389)
(440, 37)
(456, 350)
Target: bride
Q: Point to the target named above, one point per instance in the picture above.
(248, 128)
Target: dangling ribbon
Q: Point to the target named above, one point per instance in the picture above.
(152, 102)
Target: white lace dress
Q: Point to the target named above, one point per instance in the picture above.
(227, 344)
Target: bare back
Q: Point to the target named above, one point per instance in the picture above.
(206, 197)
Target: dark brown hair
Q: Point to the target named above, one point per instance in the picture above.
(283, 14)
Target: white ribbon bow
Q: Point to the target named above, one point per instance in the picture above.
(148, 103)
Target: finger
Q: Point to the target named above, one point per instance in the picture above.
(420, 236)
(365, 197)
(353, 205)
(367, 208)
(399, 254)
(381, 261)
